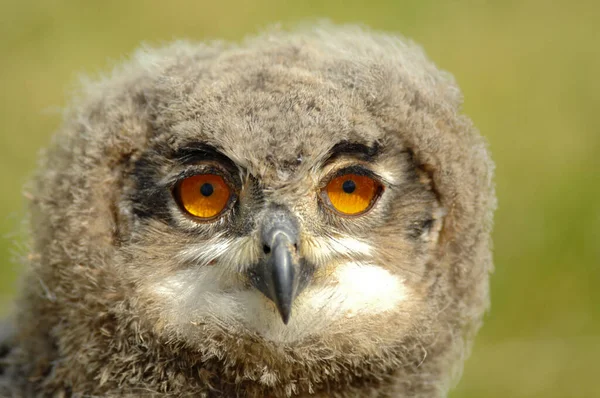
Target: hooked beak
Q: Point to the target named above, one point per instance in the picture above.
(281, 275)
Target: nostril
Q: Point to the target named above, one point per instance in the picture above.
(295, 247)
(266, 249)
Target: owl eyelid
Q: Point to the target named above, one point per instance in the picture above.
(206, 168)
(352, 169)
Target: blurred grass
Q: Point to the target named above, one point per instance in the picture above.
(528, 70)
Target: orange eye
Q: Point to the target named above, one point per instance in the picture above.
(352, 194)
(203, 195)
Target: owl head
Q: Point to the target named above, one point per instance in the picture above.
(300, 213)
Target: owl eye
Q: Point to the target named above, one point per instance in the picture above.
(352, 194)
(203, 195)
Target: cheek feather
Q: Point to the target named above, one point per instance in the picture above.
(212, 293)
(367, 288)
(210, 290)
(348, 246)
(324, 249)
(232, 253)
(193, 294)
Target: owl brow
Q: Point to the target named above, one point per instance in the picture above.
(199, 152)
(354, 149)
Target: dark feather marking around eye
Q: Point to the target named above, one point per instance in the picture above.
(152, 196)
(149, 200)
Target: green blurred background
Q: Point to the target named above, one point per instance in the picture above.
(529, 71)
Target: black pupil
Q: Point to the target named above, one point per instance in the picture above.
(206, 189)
(348, 186)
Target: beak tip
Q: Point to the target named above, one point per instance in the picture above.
(285, 312)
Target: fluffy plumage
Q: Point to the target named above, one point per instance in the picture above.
(125, 295)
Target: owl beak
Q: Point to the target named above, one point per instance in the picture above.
(281, 281)
(280, 276)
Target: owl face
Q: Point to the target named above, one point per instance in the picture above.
(303, 213)
(306, 226)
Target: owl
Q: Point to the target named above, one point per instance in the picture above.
(302, 214)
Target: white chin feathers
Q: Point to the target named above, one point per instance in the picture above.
(210, 293)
